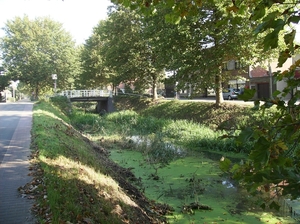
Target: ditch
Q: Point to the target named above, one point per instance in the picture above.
(194, 186)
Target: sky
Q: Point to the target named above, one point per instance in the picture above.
(77, 16)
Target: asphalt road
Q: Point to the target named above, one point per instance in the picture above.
(10, 115)
(15, 127)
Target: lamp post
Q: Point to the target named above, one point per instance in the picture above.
(54, 77)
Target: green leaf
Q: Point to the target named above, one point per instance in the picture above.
(283, 56)
(172, 18)
(170, 3)
(292, 101)
(263, 206)
(126, 3)
(261, 154)
(247, 95)
(259, 12)
(294, 19)
(268, 104)
(133, 7)
(277, 24)
(270, 22)
(260, 28)
(289, 38)
(244, 136)
(271, 40)
(225, 164)
(276, 93)
(271, 16)
(256, 104)
(235, 168)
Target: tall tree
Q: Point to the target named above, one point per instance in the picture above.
(4, 82)
(197, 48)
(33, 50)
(130, 52)
(94, 71)
(4, 79)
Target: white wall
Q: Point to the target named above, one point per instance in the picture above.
(280, 85)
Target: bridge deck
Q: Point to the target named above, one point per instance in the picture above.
(89, 98)
(86, 94)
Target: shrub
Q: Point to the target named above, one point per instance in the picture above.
(63, 103)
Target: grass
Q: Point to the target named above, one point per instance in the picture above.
(75, 184)
(226, 116)
(185, 133)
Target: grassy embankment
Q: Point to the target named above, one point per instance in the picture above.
(72, 176)
(73, 179)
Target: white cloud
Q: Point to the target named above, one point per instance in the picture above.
(77, 16)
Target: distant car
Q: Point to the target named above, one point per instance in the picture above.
(230, 93)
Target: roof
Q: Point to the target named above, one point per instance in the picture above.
(258, 72)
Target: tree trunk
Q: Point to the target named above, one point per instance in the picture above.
(219, 95)
(154, 87)
(154, 91)
(36, 92)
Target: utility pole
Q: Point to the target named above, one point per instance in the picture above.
(270, 81)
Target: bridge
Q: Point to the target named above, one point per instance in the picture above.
(102, 97)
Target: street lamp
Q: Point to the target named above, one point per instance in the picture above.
(54, 77)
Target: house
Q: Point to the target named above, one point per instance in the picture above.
(263, 81)
(280, 85)
(238, 75)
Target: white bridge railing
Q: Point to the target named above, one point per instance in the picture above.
(86, 93)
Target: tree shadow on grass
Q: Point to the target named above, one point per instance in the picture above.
(68, 190)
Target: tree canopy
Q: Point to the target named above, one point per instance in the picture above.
(94, 72)
(200, 46)
(122, 46)
(4, 82)
(274, 16)
(33, 50)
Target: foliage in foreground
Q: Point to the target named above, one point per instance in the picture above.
(273, 164)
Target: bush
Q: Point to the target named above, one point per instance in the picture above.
(63, 103)
(86, 122)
